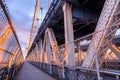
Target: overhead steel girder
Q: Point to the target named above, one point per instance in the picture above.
(96, 4)
(77, 13)
(75, 2)
(85, 13)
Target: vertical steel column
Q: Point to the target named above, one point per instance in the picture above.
(43, 49)
(69, 34)
(97, 67)
(40, 50)
(48, 51)
(37, 52)
(33, 55)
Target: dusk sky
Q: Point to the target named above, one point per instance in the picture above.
(21, 12)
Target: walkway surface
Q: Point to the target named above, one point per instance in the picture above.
(29, 72)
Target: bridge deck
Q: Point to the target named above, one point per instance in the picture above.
(29, 72)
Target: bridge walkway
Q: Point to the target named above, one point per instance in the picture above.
(29, 72)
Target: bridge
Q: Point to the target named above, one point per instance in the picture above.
(77, 40)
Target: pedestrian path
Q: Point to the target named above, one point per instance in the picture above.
(29, 72)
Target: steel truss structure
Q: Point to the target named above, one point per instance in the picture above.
(92, 55)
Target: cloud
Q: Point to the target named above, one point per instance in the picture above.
(22, 12)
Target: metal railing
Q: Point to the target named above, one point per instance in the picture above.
(3, 73)
(74, 73)
(13, 71)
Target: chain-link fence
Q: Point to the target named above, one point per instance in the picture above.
(10, 50)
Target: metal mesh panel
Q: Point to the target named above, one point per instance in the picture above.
(9, 45)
